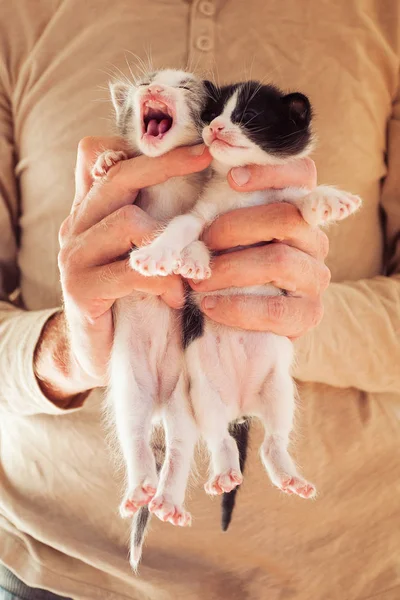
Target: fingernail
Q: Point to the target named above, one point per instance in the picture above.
(240, 175)
(209, 302)
(197, 150)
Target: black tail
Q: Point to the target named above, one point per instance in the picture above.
(240, 433)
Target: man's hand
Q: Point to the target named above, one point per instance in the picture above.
(294, 262)
(104, 224)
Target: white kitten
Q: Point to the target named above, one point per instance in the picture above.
(154, 115)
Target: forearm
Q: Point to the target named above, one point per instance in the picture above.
(20, 391)
(57, 372)
(357, 344)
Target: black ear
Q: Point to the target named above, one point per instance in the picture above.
(211, 89)
(299, 108)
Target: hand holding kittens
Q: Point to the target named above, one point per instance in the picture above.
(294, 262)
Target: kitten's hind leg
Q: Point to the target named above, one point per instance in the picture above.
(180, 439)
(132, 393)
(225, 465)
(277, 403)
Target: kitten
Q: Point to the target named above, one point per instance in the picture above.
(234, 373)
(156, 114)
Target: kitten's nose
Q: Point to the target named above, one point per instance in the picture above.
(216, 126)
(155, 88)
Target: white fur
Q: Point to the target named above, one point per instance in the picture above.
(147, 384)
(235, 373)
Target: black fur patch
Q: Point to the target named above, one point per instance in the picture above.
(240, 433)
(278, 123)
(192, 321)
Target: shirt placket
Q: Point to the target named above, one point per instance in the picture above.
(202, 34)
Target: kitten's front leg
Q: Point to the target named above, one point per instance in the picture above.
(163, 255)
(327, 204)
(195, 262)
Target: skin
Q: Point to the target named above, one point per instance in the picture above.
(72, 353)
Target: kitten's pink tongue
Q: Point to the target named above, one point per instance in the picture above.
(154, 128)
(163, 126)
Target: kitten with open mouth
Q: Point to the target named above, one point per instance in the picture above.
(146, 388)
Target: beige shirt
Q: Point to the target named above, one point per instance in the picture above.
(59, 490)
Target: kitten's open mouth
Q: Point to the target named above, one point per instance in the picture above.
(157, 119)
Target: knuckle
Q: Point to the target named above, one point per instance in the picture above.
(276, 307)
(325, 277)
(64, 230)
(280, 254)
(87, 145)
(316, 314)
(129, 213)
(69, 257)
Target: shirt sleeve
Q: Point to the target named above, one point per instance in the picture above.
(19, 329)
(357, 344)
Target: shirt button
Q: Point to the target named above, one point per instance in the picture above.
(204, 43)
(207, 8)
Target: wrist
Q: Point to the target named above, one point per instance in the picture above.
(56, 371)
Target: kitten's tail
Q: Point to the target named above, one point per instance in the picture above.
(142, 517)
(240, 433)
(138, 533)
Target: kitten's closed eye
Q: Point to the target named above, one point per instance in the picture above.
(250, 115)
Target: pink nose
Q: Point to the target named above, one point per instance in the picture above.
(216, 126)
(155, 88)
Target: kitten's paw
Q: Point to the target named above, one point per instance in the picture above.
(152, 260)
(224, 482)
(195, 262)
(298, 486)
(193, 269)
(134, 499)
(326, 205)
(168, 511)
(105, 161)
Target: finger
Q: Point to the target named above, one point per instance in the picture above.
(299, 173)
(89, 149)
(279, 221)
(117, 280)
(114, 236)
(282, 315)
(277, 264)
(122, 182)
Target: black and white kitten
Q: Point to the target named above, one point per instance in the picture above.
(235, 373)
(159, 112)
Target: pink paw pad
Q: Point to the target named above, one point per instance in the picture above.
(298, 486)
(169, 512)
(225, 482)
(136, 499)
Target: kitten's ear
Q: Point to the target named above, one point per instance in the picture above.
(119, 94)
(211, 89)
(299, 107)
